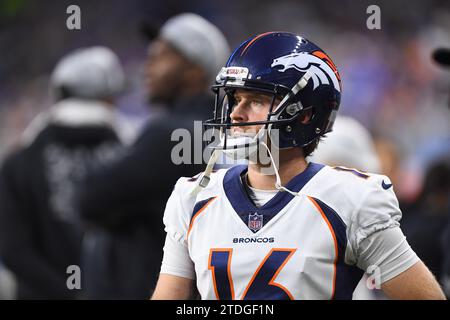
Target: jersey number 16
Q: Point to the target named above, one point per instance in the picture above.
(262, 286)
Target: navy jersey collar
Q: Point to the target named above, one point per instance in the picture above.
(243, 205)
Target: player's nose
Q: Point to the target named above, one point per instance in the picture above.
(238, 114)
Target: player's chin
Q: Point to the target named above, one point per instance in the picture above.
(245, 131)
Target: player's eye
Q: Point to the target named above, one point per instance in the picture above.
(257, 103)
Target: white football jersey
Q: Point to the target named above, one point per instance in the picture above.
(293, 247)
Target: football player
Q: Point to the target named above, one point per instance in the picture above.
(288, 229)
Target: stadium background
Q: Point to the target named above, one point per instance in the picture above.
(390, 83)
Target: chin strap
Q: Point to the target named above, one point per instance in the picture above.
(204, 180)
(278, 185)
(298, 86)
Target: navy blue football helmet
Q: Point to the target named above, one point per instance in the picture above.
(291, 69)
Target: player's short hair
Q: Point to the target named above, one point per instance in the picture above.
(309, 149)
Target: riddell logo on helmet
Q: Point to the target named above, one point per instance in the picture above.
(320, 70)
(236, 70)
(238, 73)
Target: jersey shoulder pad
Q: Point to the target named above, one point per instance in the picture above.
(182, 202)
(365, 202)
(376, 206)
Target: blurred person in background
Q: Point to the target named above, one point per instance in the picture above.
(181, 62)
(126, 200)
(428, 217)
(40, 230)
(8, 284)
(389, 158)
(392, 165)
(442, 184)
(350, 145)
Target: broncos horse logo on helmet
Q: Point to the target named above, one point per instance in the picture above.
(320, 70)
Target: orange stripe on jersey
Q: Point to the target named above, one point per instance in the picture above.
(196, 215)
(336, 252)
(210, 267)
(272, 281)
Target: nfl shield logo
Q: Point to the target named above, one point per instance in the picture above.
(255, 221)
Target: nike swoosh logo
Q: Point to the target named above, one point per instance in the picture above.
(386, 186)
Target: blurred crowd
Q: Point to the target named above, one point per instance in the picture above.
(395, 108)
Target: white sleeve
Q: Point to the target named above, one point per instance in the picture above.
(378, 210)
(387, 253)
(375, 238)
(176, 260)
(176, 219)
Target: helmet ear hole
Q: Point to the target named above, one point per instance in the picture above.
(306, 116)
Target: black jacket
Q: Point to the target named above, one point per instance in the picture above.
(126, 202)
(40, 230)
